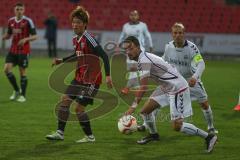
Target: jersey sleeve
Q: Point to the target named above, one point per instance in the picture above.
(122, 35)
(32, 29)
(144, 66)
(147, 35)
(98, 51)
(9, 30)
(197, 62)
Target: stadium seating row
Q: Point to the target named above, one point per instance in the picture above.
(209, 16)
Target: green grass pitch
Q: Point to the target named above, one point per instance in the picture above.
(23, 126)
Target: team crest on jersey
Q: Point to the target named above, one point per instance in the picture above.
(23, 24)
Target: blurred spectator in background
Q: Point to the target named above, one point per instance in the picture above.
(51, 34)
(139, 30)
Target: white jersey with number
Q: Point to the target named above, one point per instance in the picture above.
(140, 31)
(167, 76)
(184, 59)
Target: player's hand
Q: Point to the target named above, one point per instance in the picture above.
(56, 61)
(130, 111)
(192, 81)
(22, 42)
(109, 82)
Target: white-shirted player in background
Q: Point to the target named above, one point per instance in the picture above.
(140, 30)
(186, 57)
(170, 83)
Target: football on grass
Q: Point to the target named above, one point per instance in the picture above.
(127, 124)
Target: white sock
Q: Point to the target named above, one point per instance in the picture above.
(208, 117)
(149, 121)
(190, 129)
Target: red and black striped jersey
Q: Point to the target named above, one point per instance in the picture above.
(88, 51)
(20, 29)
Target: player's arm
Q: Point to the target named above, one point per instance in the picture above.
(199, 62)
(122, 35)
(101, 53)
(148, 37)
(145, 67)
(8, 34)
(71, 58)
(139, 94)
(32, 37)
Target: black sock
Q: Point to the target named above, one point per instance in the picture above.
(13, 81)
(85, 123)
(63, 114)
(24, 81)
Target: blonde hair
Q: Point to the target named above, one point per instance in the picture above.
(178, 25)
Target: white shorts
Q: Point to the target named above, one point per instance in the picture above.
(198, 93)
(180, 103)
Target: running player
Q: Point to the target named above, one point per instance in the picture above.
(87, 79)
(170, 83)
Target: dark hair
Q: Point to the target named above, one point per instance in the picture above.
(132, 39)
(81, 13)
(19, 4)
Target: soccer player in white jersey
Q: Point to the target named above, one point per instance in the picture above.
(140, 30)
(185, 56)
(170, 83)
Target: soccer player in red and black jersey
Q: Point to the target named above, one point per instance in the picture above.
(22, 31)
(87, 79)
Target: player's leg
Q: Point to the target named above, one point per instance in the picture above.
(63, 115)
(148, 115)
(82, 101)
(199, 92)
(63, 111)
(85, 124)
(23, 64)
(180, 108)
(9, 63)
(162, 99)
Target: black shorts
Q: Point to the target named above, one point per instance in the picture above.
(17, 59)
(82, 93)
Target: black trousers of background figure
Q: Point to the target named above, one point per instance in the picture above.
(52, 51)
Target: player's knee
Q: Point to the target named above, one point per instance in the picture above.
(6, 70)
(177, 125)
(79, 109)
(65, 100)
(204, 105)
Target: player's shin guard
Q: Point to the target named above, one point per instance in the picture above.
(85, 123)
(150, 123)
(24, 81)
(208, 115)
(63, 114)
(12, 80)
(190, 129)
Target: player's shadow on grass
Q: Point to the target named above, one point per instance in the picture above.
(40, 150)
